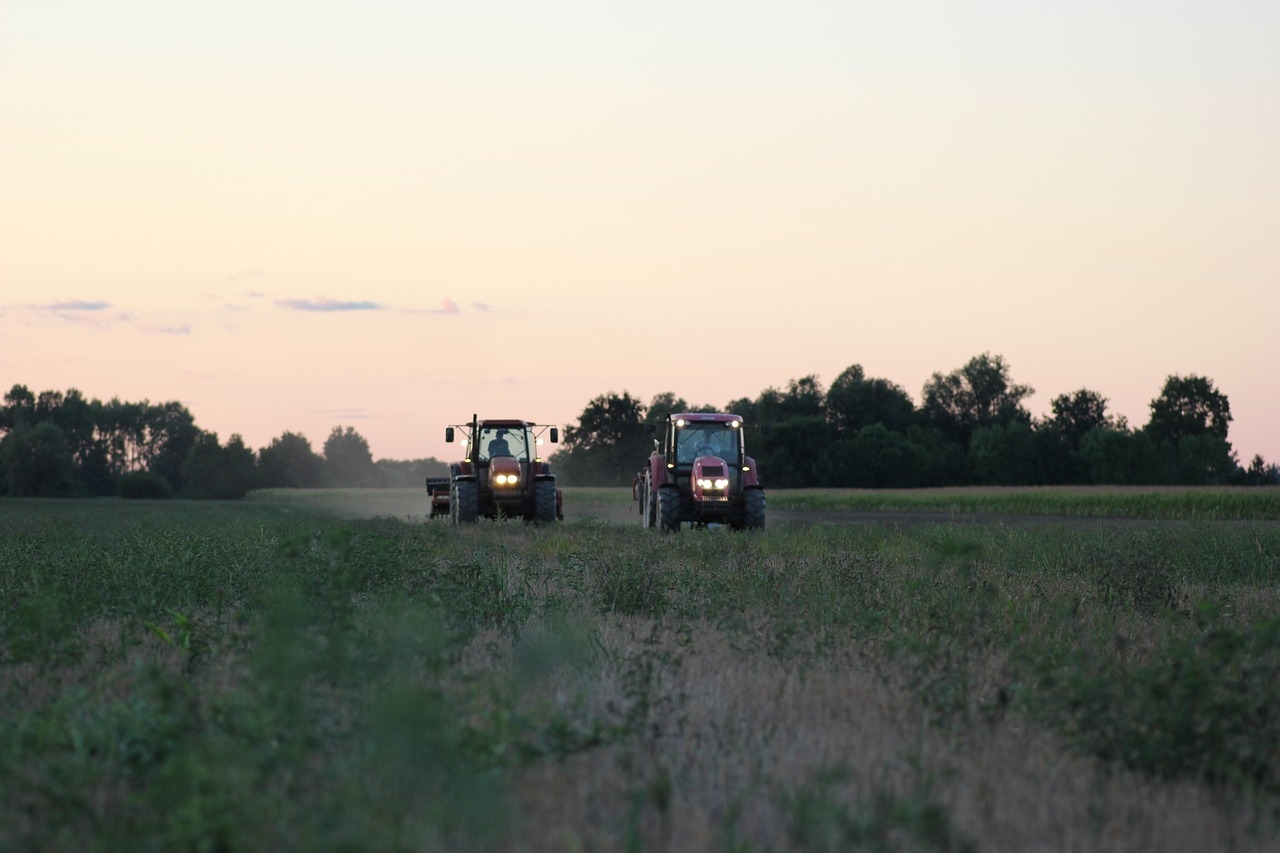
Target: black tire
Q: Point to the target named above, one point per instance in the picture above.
(669, 509)
(648, 504)
(544, 500)
(467, 502)
(753, 509)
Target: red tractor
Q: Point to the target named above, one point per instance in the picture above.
(502, 475)
(700, 474)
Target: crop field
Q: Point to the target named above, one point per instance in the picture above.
(332, 670)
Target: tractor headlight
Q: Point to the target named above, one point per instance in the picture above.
(718, 483)
(704, 483)
(722, 483)
(506, 479)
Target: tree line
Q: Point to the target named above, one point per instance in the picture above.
(55, 444)
(971, 428)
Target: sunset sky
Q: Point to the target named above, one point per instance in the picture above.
(291, 216)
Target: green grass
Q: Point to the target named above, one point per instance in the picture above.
(327, 670)
(1116, 502)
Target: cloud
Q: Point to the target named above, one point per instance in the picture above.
(65, 305)
(184, 329)
(483, 307)
(326, 305)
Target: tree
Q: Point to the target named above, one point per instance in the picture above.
(1003, 454)
(608, 444)
(222, 473)
(37, 462)
(1201, 460)
(855, 402)
(798, 452)
(879, 458)
(1119, 457)
(663, 405)
(347, 460)
(1076, 413)
(1188, 406)
(19, 408)
(171, 433)
(978, 394)
(290, 463)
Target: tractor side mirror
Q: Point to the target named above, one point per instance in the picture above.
(448, 434)
(555, 435)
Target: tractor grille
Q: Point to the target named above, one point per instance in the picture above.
(713, 470)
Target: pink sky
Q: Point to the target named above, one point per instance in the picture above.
(297, 216)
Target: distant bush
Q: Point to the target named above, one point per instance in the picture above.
(143, 485)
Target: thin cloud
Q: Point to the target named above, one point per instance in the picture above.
(327, 305)
(66, 305)
(184, 329)
(483, 307)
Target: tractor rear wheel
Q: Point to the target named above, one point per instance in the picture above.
(467, 502)
(753, 509)
(544, 500)
(669, 508)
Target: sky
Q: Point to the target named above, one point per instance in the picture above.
(291, 216)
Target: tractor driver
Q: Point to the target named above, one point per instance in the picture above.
(498, 446)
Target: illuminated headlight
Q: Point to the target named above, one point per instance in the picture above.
(720, 483)
(506, 479)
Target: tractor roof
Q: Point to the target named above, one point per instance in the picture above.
(719, 417)
(504, 422)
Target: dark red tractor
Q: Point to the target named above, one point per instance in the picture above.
(700, 474)
(502, 474)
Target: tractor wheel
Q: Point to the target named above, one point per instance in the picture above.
(753, 509)
(648, 504)
(669, 509)
(467, 502)
(544, 500)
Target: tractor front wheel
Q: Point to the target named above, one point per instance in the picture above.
(544, 500)
(467, 503)
(669, 508)
(753, 509)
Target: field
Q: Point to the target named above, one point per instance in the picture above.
(330, 670)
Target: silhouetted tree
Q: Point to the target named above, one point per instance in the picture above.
(36, 461)
(978, 394)
(854, 402)
(1076, 413)
(290, 463)
(1188, 406)
(347, 460)
(607, 445)
(214, 471)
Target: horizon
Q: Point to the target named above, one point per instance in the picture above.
(294, 218)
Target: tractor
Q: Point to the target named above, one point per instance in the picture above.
(501, 474)
(699, 473)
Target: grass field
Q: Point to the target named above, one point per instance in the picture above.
(328, 670)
